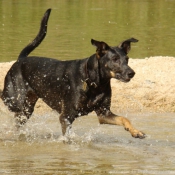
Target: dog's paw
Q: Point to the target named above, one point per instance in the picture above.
(138, 134)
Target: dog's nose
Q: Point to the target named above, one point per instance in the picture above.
(131, 74)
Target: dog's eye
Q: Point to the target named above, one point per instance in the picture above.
(115, 58)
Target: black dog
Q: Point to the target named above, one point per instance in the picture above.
(73, 88)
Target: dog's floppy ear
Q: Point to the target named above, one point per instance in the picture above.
(126, 45)
(101, 46)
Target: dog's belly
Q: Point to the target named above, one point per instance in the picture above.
(54, 103)
(74, 105)
(59, 105)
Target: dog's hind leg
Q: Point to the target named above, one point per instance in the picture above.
(28, 108)
(20, 119)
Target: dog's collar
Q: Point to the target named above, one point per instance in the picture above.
(88, 80)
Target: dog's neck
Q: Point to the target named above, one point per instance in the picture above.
(93, 76)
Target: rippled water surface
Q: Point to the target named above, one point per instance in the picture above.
(72, 24)
(39, 148)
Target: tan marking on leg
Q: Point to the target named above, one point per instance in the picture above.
(121, 121)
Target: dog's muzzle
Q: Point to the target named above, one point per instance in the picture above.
(124, 77)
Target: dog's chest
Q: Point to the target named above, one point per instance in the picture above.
(89, 101)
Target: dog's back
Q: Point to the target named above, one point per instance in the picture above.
(31, 78)
(73, 88)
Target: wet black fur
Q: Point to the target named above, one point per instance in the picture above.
(73, 88)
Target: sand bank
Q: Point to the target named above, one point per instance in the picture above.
(151, 90)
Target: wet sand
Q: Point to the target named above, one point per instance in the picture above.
(151, 90)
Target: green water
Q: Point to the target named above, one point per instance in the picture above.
(73, 23)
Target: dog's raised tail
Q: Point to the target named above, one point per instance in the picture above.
(38, 39)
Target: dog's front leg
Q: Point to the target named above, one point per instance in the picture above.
(109, 118)
(66, 124)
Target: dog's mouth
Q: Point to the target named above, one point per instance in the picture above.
(122, 78)
(126, 77)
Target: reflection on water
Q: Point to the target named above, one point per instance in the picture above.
(95, 149)
(73, 23)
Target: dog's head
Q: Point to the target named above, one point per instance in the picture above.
(114, 60)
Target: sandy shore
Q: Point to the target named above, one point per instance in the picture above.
(151, 90)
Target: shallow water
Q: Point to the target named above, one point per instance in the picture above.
(38, 147)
